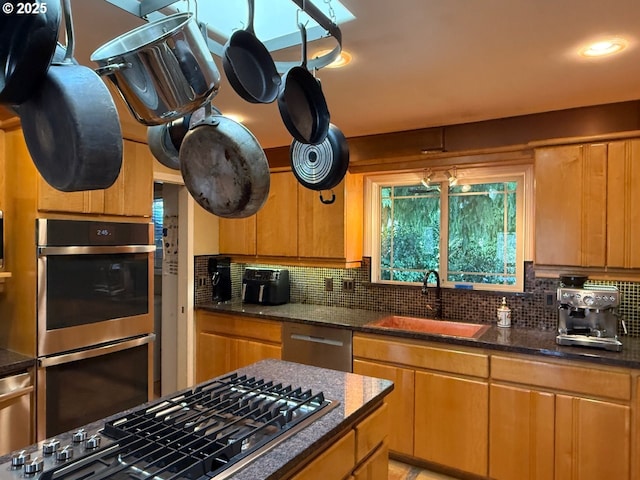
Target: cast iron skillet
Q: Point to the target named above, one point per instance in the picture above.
(301, 102)
(322, 166)
(249, 67)
(71, 125)
(27, 44)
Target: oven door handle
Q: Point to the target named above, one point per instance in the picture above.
(95, 352)
(93, 250)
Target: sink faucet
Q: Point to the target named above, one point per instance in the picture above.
(437, 310)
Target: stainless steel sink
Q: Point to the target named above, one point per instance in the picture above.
(428, 325)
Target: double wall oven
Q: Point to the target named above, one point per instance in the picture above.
(95, 321)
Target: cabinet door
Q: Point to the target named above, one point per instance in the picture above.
(52, 200)
(277, 221)
(248, 352)
(215, 356)
(623, 204)
(336, 462)
(400, 402)
(237, 236)
(451, 426)
(571, 192)
(376, 467)
(132, 192)
(521, 423)
(592, 439)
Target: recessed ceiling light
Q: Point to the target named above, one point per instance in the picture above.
(605, 47)
(343, 60)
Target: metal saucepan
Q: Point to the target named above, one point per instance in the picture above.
(27, 44)
(322, 166)
(164, 141)
(163, 70)
(71, 125)
(301, 102)
(224, 167)
(249, 67)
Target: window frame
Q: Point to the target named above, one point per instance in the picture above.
(521, 173)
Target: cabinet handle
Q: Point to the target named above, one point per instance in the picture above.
(310, 338)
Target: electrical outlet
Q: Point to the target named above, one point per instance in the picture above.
(348, 285)
(202, 281)
(328, 284)
(549, 300)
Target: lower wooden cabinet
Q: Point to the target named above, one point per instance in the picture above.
(451, 418)
(521, 434)
(228, 342)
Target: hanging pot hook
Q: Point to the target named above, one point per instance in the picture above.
(329, 201)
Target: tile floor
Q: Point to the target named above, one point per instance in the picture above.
(402, 471)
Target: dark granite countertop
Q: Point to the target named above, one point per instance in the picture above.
(517, 340)
(12, 362)
(356, 396)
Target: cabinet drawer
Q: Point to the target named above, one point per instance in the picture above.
(238, 326)
(590, 381)
(422, 356)
(371, 432)
(335, 463)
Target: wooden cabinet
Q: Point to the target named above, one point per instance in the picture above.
(440, 399)
(130, 195)
(400, 401)
(451, 419)
(570, 199)
(588, 205)
(521, 433)
(361, 453)
(295, 225)
(227, 342)
(562, 420)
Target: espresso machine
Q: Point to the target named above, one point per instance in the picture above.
(588, 316)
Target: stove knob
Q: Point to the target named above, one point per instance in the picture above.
(34, 466)
(65, 454)
(92, 442)
(51, 447)
(79, 436)
(18, 459)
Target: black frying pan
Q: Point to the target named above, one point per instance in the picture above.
(164, 141)
(301, 102)
(71, 125)
(27, 44)
(322, 166)
(249, 67)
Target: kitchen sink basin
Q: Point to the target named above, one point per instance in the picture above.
(428, 325)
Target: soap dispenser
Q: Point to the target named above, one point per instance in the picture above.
(504, 314)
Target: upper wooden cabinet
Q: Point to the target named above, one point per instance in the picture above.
(130, 195)
(295, 224)
(588, 205)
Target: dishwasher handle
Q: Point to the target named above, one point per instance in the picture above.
(15, 386)
(312, 338)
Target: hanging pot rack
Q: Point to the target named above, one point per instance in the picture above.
(146, 9)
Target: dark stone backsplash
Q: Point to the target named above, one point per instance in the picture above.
(527, 308)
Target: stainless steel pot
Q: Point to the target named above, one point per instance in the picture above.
(163, 70)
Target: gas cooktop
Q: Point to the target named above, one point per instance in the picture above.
(208, 432)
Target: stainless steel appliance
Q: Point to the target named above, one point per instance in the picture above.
(94, 321)
(587, 317)
(16, 400)
(94, 283)
(208, 432)
(220, 274)
(320, 346)
(265, 286)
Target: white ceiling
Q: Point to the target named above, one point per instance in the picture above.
(423, 63)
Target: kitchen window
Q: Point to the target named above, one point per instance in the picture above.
(475, 231)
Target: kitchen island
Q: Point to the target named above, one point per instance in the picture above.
(349, 436)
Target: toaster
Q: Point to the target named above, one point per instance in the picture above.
(265, 286)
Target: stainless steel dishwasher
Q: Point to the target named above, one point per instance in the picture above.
(326, 347)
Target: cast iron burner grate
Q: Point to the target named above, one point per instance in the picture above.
(199, 434)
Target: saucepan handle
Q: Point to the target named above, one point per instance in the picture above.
(109, 69)
(328, 201)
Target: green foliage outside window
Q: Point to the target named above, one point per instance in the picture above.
(481, 224)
